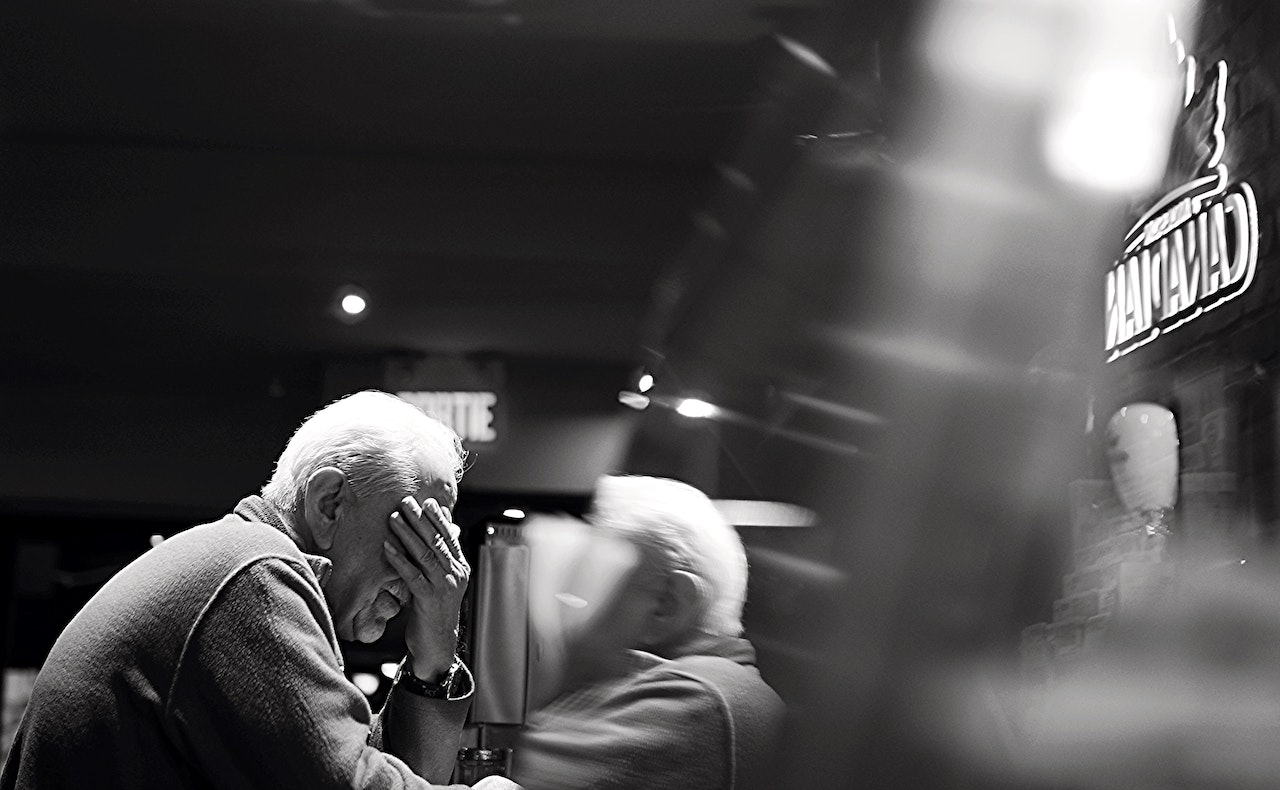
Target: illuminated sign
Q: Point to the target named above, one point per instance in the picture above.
(1197, 247)
(469, 414)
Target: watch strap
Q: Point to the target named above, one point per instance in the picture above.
(443, 689)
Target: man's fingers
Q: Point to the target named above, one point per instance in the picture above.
(455, 531)
(411, 508)
(407, 570)
(433, 544)
(441, 520)
(428, 543)
(414, 544)
(437, 525)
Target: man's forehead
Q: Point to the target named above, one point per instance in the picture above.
(440, 486)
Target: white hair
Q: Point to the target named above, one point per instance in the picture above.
(688, 533)
(380, 442)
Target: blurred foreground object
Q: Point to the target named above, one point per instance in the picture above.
(1182, 692)
(988, 251)
(1112, 111)
(1101, 70)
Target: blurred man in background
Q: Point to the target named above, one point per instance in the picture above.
(213, 659)
(659, 687)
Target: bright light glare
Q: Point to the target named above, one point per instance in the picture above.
(754, 513)
(806, 56)
(1010, 48)
(389, 669)
(1111, 132)
(353, 304)
(633, 399)
(513, 512)
(366, 682)
(693, 407)
(571, 600)
(646, 383)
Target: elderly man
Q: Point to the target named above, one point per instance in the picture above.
(660, 688)
(213, 659)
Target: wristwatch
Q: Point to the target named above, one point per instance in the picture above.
(444, 689)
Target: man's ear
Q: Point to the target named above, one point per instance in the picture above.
(679, 609)
(322, 504)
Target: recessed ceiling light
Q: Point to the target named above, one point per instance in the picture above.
(350, 304)
(353, 304)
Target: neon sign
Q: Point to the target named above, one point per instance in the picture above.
(1197, 247)
(469, 414)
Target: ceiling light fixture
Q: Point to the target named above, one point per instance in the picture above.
(353, 304)
(696, 408)
(350, 304)
(633, 399)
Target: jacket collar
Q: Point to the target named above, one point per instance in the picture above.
(258, 510)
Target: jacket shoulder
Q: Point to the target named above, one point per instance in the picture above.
(235, 540)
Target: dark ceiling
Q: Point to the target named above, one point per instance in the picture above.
(185, 184)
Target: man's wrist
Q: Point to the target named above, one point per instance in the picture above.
(432, 671)
(443, 686)
(434, 657)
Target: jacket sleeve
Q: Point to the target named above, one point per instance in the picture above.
(407, 720)
(659, 732)
(259, 698)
